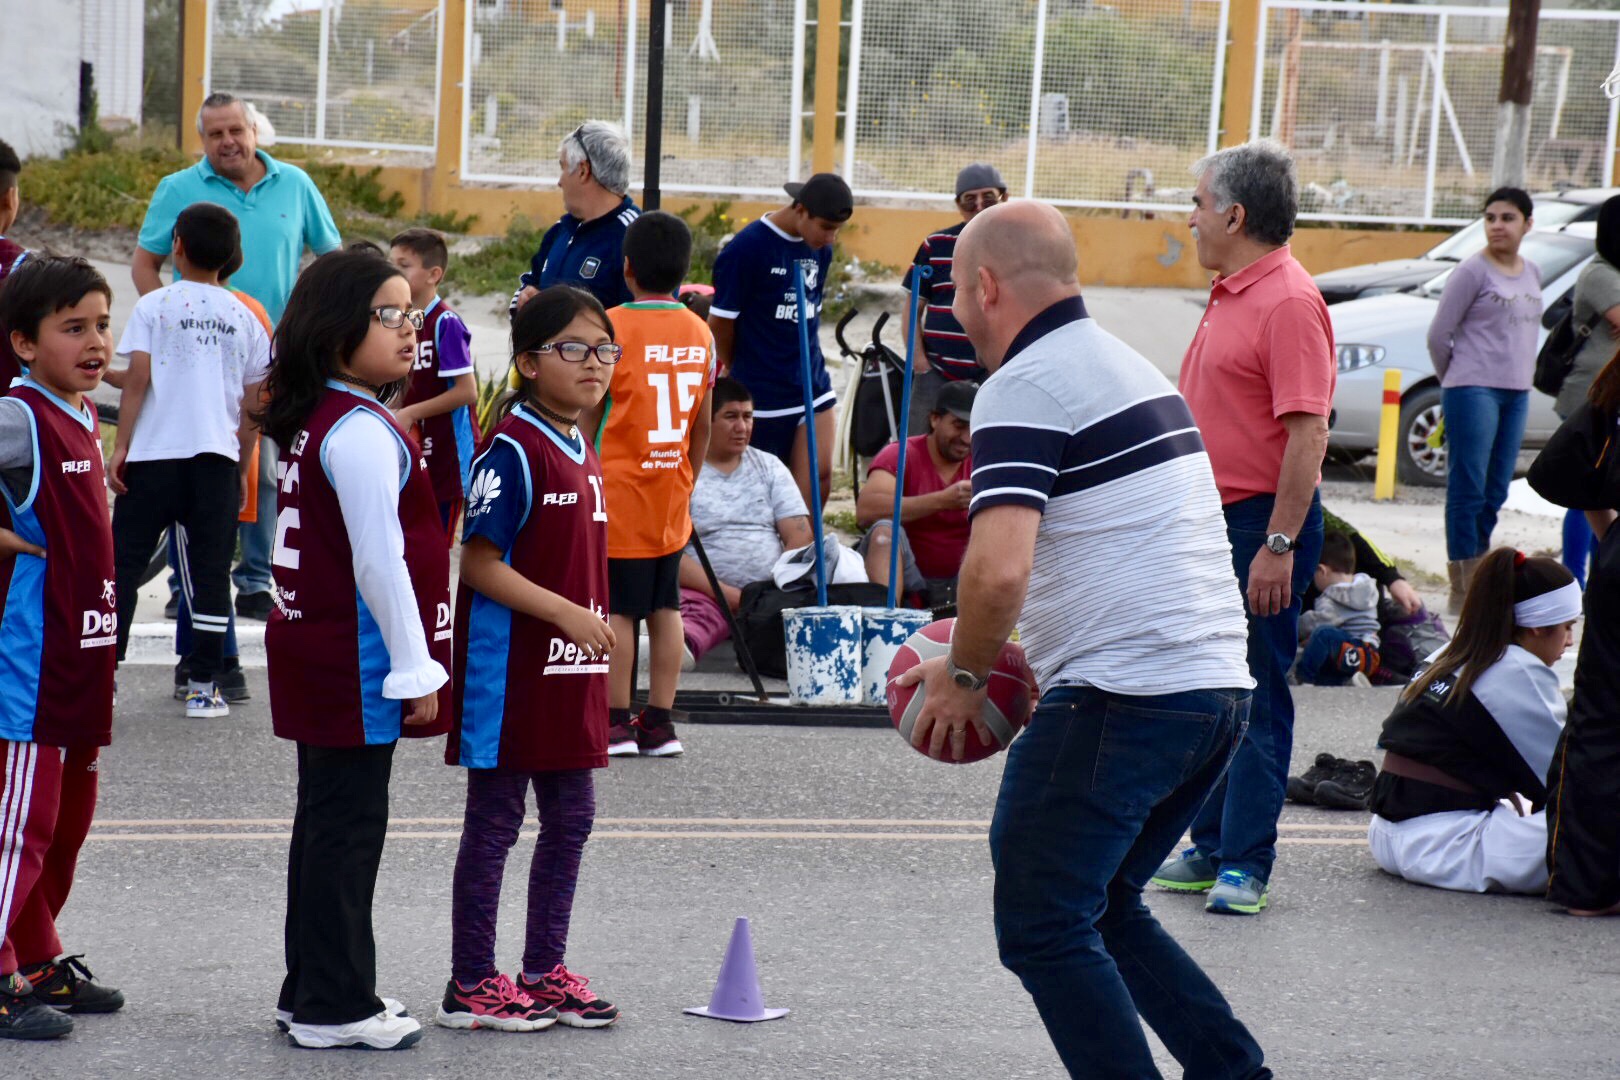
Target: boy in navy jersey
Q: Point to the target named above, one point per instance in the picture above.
(755, 319)
(440, 397)
(56, 634)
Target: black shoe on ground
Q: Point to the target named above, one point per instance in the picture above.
(24, 1016)
(1349, 788)
(232, 681)
(171, 610)
(1302, 789)
(254, 605)
(182, 679)
(68, 985)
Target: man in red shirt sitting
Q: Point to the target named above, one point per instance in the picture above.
(933, 507)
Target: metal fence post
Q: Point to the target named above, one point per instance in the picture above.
(1218, 79)
(1434, 113)
(455, 73)
(630, 68)
(852, 91)
(796, 94)
(1611, 147)
(320, 70)
(1039, 62)
(196, 51)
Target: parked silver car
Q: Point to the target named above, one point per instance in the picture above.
(1378, 333)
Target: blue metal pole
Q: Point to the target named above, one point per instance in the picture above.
(810, 429)
(918, 274)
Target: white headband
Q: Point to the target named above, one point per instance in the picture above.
(1562, 605)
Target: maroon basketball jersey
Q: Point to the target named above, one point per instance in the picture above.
(525, 698)
(448, 439)
(326, 653)
(10, 366)
(59, 626)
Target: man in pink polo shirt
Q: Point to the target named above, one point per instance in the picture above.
(1259, 378)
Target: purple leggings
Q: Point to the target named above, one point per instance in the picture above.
(497, 802)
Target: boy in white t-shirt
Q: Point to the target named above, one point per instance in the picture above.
(194, 352)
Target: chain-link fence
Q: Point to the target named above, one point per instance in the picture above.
(1391, 109)
(350, 73)
(539, 70)
(1127, 96)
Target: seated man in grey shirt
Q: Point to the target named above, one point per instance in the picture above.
(746, 509)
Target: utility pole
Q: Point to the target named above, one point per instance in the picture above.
(1512, 152)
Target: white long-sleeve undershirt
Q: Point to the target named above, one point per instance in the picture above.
(367, 464)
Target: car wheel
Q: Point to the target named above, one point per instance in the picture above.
(1421, 456)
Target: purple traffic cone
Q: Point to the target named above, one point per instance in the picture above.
(737, 995)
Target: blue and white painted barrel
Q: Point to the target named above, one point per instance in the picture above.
(883, 631)
(823, 655)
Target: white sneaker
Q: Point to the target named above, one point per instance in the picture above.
(392, 1006)
(688, 661)
(205, 704)
(1360, 679)
(381, 1032)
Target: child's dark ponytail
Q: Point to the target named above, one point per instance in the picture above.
(327, 317)
(546, 315)
(1485, 628)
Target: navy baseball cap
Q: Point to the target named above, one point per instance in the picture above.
(825, 195)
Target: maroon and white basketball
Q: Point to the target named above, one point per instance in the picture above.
(1009, 700)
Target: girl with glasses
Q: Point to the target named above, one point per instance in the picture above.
(359, 641)
(531, 683)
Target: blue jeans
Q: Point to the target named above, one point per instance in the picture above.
(252, 573)
(1484, 427)
(1237, 828)
(1319, 659)
(1096, 794)
(1580, 544)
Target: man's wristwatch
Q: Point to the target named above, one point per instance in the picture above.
(965, 679)
(1279, 543)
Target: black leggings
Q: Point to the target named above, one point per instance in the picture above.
(200, 496)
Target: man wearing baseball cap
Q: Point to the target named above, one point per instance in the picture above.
(933, 506)
(947, 356)
(754, 317)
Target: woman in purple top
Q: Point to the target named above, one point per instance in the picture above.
(1483, 344)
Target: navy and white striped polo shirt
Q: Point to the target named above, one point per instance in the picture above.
(943, 340)
(1132, 589)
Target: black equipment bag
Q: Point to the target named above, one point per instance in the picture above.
(759, 617)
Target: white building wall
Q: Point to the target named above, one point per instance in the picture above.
(39, 111)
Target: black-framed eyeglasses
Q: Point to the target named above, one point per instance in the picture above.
(575, 352)
(974, 199)
(394, 317)
(578, 137)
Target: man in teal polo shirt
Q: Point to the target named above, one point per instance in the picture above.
(280, 212)
(277, 205)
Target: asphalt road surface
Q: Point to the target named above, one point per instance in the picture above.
(865, 872)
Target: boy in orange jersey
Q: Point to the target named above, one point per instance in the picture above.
(651, 436)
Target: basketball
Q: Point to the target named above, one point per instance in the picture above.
(1007, 706)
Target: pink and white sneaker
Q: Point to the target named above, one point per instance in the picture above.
(577, 1005)
(494, 1003)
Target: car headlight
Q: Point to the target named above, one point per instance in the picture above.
(1352, 357)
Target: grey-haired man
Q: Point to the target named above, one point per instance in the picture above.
(586, 246)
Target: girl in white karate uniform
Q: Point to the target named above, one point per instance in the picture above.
(1458, 803)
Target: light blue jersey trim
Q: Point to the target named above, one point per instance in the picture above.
(576, 453)
(81, 414)
(379, 716)
(489, 652)
(22, 625)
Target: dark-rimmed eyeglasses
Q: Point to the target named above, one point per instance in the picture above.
(575, 352)
(395, 317)
(973, 200)
(579, 137)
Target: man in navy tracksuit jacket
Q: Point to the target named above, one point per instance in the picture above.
(586, 246)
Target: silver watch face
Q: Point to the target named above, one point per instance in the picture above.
(964, 679)
(1279, 543)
